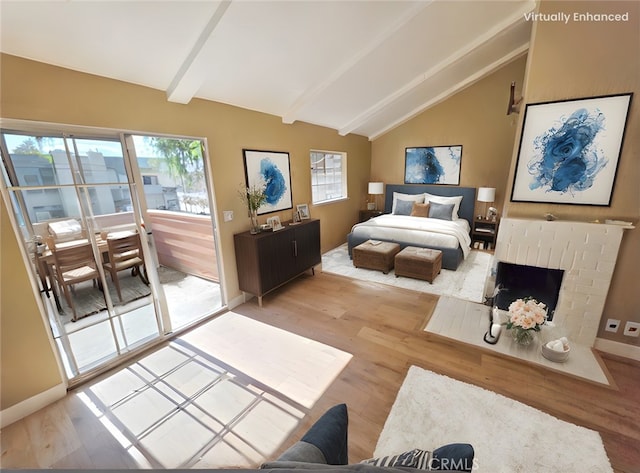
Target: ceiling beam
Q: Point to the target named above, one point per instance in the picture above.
(312, 93)
(511, 22)
(516, 53)
(190, 76)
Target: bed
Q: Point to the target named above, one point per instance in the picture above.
(450, 237)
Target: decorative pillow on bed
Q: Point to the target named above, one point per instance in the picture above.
(455, 200)
(441, 211)
(420, 210)
(403, 207)
(398, 198)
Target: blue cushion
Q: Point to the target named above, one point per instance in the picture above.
(325, 442)
(329, 434)
(403, 207)
(441, 211)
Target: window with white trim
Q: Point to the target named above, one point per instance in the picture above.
(328, 176)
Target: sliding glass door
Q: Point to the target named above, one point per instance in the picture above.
(177, 202)
(109, 276)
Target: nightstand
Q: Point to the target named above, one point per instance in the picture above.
(367, 214)
(484, 233)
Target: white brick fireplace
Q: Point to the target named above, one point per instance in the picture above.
(587, 253)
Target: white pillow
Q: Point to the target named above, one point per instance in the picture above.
(410, 197)
(445, 200)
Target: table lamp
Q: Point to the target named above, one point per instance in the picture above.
(375, 189)
(486, 194)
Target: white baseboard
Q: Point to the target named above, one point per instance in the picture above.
(29, 406)
(236, 301)
(617, 348)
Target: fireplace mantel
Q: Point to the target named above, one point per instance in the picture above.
(587, 252)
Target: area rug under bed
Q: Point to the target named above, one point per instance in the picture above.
(466, 283)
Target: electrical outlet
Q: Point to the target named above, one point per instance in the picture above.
(632, 329)
(612, 325)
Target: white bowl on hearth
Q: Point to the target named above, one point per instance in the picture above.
(555, 356)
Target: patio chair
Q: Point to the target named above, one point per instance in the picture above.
(124, 252)
(74, 264)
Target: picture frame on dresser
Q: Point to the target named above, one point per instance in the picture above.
(569, 150)
(271, 170)
(303, 211)
(274, 223)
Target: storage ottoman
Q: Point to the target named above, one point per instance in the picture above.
(377, 255)
(419, 263)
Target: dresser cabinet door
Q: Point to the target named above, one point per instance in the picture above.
(277, 259)
(307, 246)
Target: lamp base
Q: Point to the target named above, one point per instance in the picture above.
(371, 205)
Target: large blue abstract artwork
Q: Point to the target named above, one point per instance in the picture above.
(569, 150)
(271, 170)
(433, 165)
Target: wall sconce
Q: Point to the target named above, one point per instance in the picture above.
(514, 104)
(375, 189)
(486, 195)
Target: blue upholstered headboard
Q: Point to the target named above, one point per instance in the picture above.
(468, 194)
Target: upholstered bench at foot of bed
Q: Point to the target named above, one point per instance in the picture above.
(451, 257)
(418, 263)
(378, 256)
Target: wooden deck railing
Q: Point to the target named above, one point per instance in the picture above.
(185, 242)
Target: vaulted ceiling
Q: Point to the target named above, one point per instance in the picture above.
(359, 67)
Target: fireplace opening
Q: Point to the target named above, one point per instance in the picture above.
(516, 281)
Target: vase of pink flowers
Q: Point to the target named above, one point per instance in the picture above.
(526, 317)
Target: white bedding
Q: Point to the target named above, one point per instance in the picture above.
(417, 230)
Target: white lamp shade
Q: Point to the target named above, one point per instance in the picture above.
(486, 194)
(376, 188)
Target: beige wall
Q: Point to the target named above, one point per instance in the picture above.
(28, 362)
(475, 118)
(35, 91)
(587, 59)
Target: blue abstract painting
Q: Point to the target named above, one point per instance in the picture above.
(433, 165)
(569, 150)
(270, 170)
(568, 159)
(275, 185)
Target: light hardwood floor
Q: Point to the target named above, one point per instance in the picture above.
(382, 329)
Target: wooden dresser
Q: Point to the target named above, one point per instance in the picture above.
(269, 259)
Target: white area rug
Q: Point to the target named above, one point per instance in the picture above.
(467, 282)
(432, 410)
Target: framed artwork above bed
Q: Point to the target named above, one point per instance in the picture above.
(433, 165)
